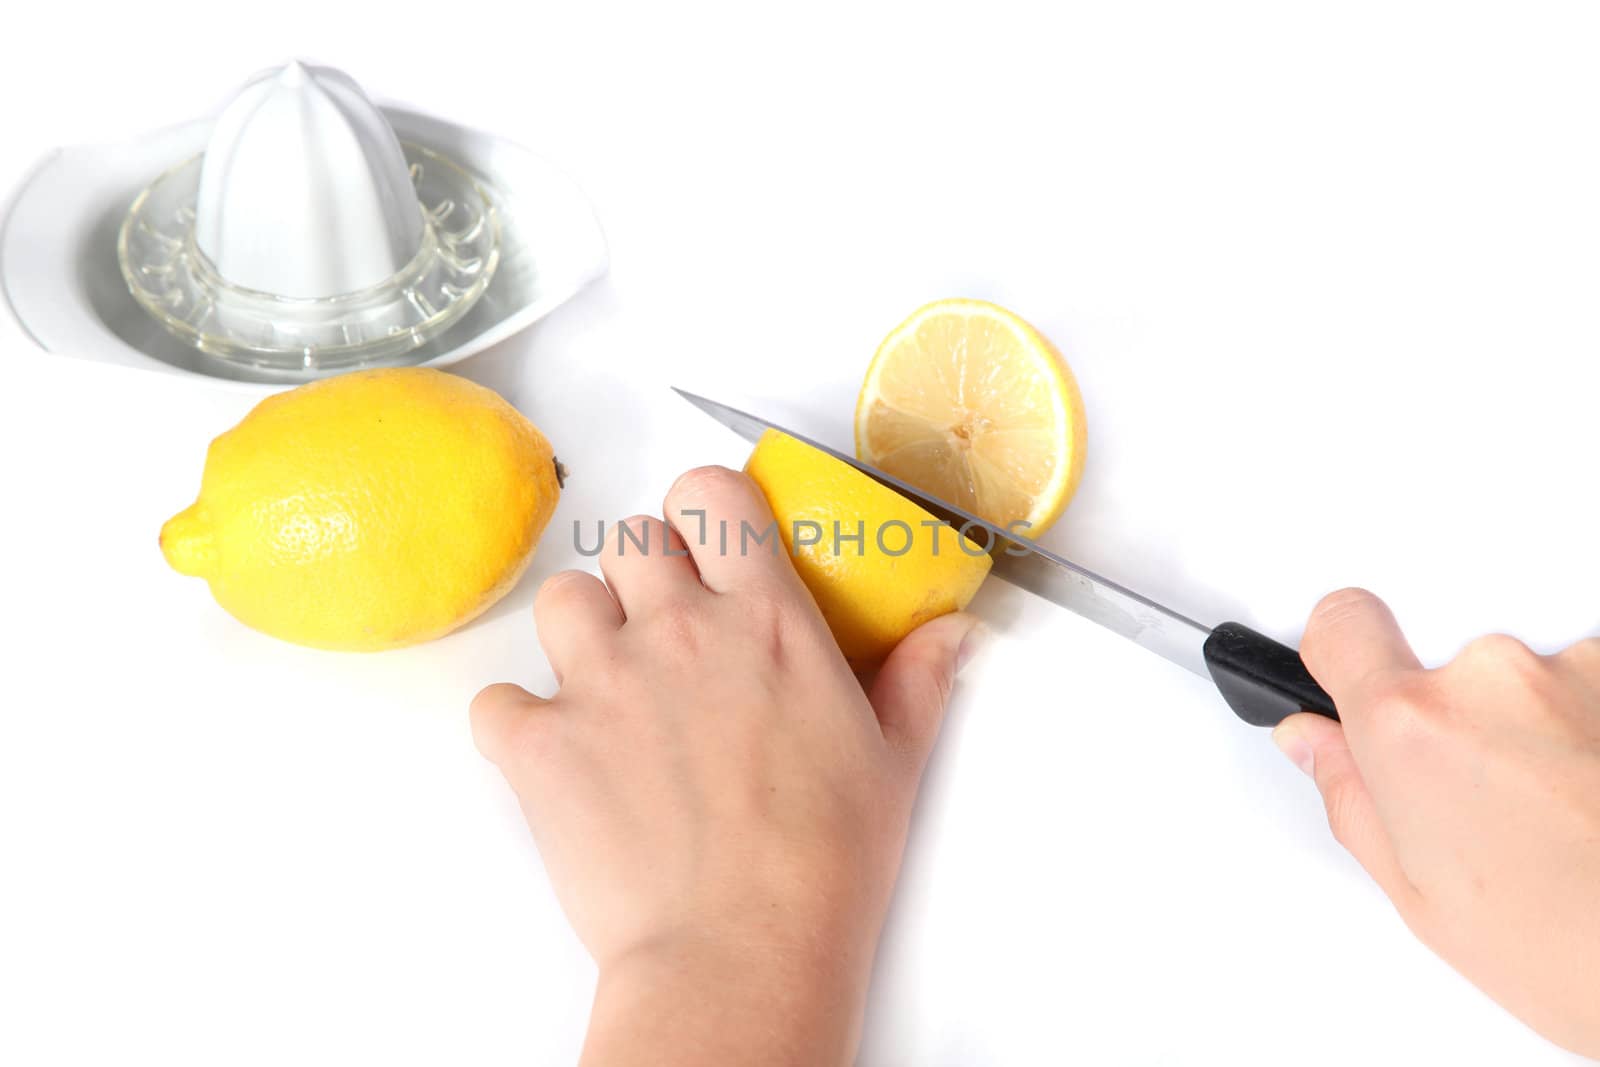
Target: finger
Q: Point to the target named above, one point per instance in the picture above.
(1584, 657)
(498, 714)
(646, 564)
(1317, 746)
(573, 610)
(1351, 638)
(729, 529)
(913, 686)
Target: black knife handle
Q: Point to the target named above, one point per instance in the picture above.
(1263, 681)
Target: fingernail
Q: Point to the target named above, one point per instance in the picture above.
(1295, 747)
(971, 645)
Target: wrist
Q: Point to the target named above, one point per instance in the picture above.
(752, 997)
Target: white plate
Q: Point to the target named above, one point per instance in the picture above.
(58, 259)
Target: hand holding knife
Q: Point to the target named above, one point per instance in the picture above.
(1262, 680)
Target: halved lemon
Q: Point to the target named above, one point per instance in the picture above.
(966, 401)
(876, 563)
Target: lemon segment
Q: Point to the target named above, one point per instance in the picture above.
(904, 569)
(368, 511)
(969, 403)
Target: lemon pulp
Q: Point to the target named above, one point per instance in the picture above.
(969, 403)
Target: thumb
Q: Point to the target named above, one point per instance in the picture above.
(1317, 746)
(913, 685)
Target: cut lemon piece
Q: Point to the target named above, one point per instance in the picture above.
(876, 563)
(966, 401)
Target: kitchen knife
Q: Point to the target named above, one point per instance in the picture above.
(1262, 681)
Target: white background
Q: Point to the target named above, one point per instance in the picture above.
(1328, 275)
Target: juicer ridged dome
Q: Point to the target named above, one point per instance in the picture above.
(304, 190)
(307, 238)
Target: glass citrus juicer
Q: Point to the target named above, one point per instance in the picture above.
(307, 237)
(302, 231)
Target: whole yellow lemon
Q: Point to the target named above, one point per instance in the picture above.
(368, 511)
(877, 564)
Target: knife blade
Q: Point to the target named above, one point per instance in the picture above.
(1262, 680)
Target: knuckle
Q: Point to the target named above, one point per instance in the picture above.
(491, 697)
(1504, 658)
(1584, 654)
(493, 732)
(1341, 604)
(638, 525)
(507, 695)
(1497, 648)
(1332, 613)
(636, 535)
(699, 483)
(554, 588)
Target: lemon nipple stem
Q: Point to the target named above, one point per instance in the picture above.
(187, 543)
